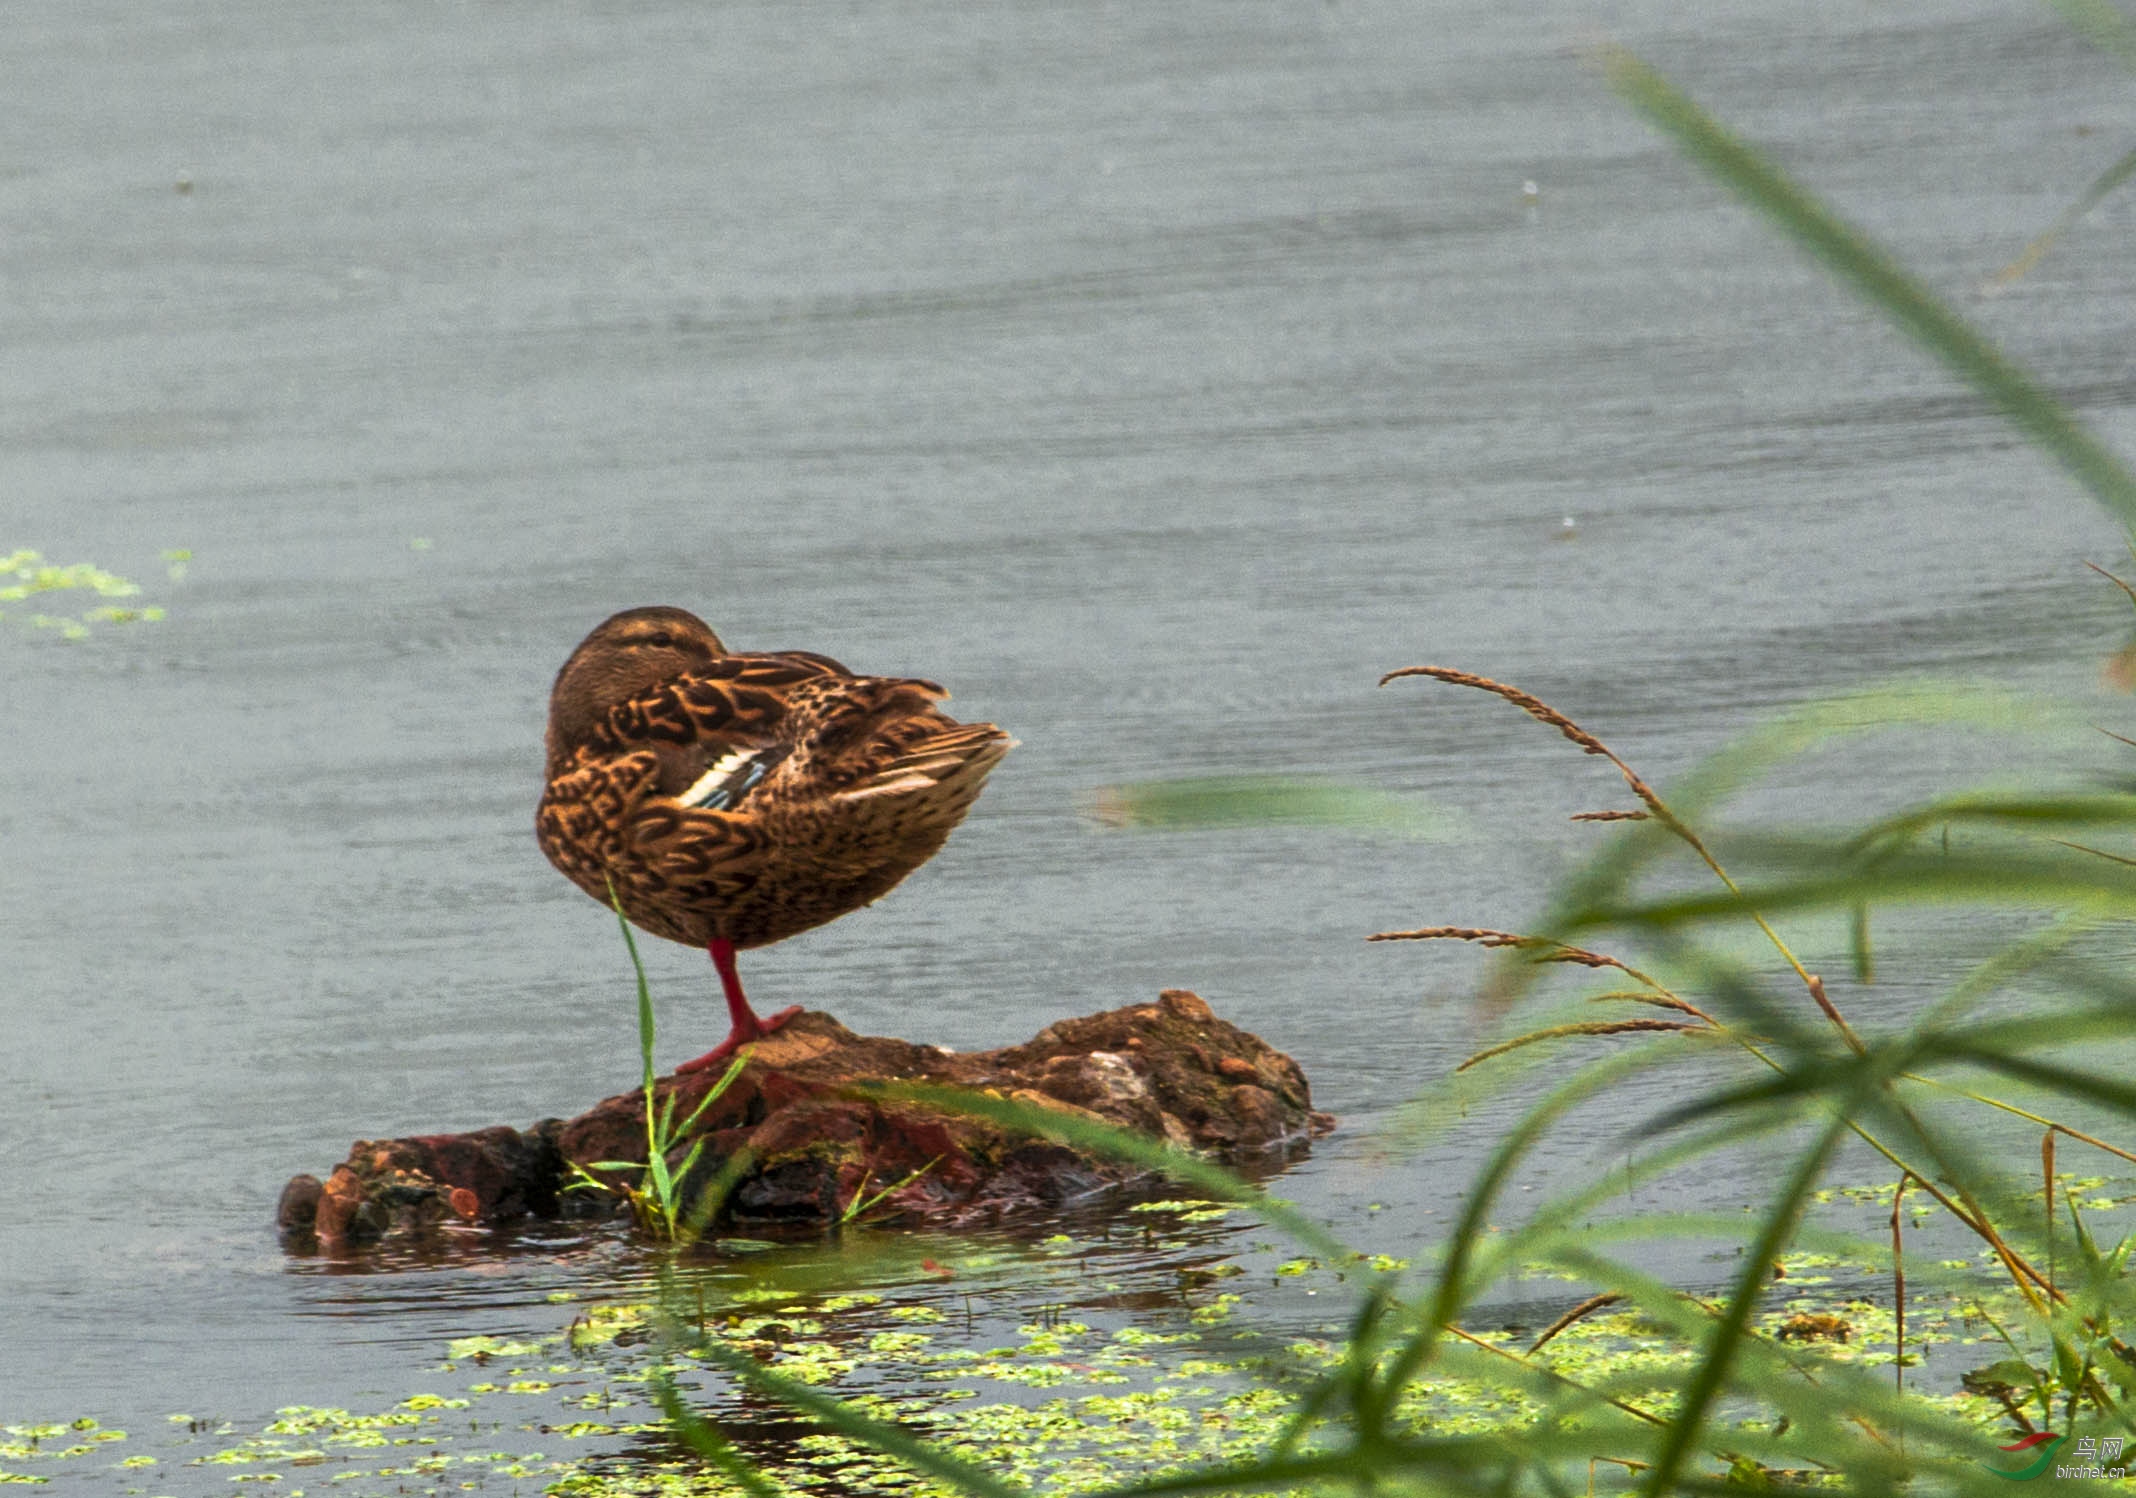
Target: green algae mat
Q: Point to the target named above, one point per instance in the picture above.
(1068, 1363)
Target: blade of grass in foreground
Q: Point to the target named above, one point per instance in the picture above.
(916, 1452)
(1879, 279)
(2093, 195)
(1709, 1380)
(645, 996)
(2103, 26)
(1120, 1144)
(704, 1437)
(1262, 801)
(2008, 874)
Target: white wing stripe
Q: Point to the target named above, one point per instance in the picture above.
(715, 782)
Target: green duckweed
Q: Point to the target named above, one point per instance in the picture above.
(26, 574)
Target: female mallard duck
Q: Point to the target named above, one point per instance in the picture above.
(735, 800)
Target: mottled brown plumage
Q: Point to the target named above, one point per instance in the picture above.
(735, 800)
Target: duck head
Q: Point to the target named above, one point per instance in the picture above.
(629, 653)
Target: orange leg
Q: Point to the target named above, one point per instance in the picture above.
(744, 1025)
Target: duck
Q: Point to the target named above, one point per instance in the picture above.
(728, 801)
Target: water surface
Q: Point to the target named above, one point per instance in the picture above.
(1156, 378)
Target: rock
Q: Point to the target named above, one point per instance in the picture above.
(816, 1145)
(298, 1209)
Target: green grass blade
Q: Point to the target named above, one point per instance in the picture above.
(726, 1080)
(1469, 1232)
(656, 1121)
(705, 1206)
(1456, 1464)
(1688, 1427)
(697, 1147)
(1343, 1385)
(862, 1205)
(2100, 811)
(1823, 1408)
(1879, 279)
(704, 1438)
(891, 1440)
(1636, 846)
(2064, 1081)
(2010, 877)
(1263, 801)
(1120, 1144)
(1859, 945)
(2099, 23)
(657, 1167)
(2092, 196)
(645, 999)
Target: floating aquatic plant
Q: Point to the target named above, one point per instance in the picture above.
(1064, 1365)
(34, 577)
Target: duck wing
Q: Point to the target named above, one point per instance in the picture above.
(876, 777)
(736, 701)
(714, 733)
(763, 795)
(607, 823)
(648, 799)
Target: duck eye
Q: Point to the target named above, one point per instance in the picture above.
(661, 640)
